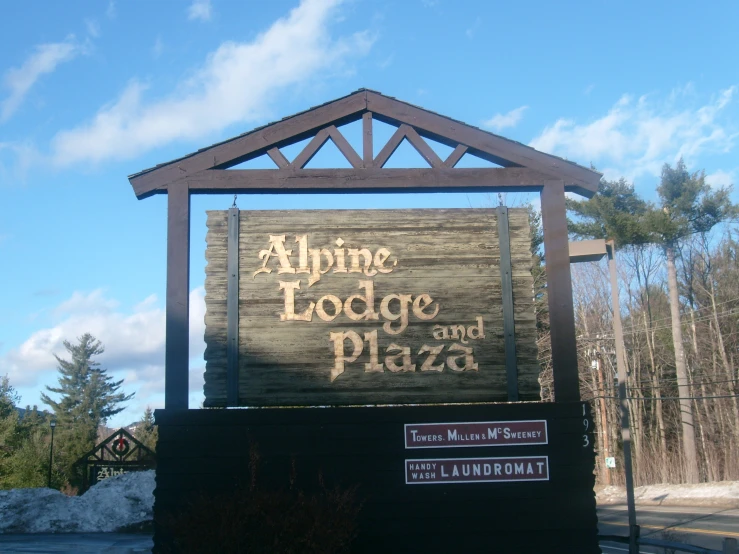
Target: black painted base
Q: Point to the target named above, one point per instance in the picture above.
(208, 451)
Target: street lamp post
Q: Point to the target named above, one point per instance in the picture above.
(52, 424)
(591, 251)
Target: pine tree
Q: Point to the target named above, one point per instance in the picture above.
(147, 432)
(689, 206)
(8, 397)
(88, 398)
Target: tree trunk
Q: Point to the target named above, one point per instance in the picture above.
(690, 450)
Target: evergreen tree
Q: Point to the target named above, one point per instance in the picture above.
(88, 398)
(9, 398)
(689, 206)
(616, 213)
(147, 432)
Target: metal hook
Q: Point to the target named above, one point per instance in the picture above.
(234, 204)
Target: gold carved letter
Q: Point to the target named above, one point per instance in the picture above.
(476, 332)
(404, 353)
(339, 358)
(315, 255)
(339, 253)
(466, 353)
(458, 332)
(381, 257)
(321, 312)
(422, 302)
(290, 315)
(276, 247)
(367, 255)
(302, 241)
(404, 299)
(440, 333)
(433, 351)
(374, 364)
(369, 300)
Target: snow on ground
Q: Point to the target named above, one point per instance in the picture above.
(721, 494)
(116, 502)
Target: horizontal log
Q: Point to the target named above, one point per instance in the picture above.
(213, 181)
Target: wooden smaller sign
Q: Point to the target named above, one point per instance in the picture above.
(476, 470)
(476, 433)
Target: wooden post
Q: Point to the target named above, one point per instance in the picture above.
(559, 293)
(368, 155)
(176, 357)
(232, 310)
(509, 323)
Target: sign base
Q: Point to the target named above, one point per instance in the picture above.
(515, 497)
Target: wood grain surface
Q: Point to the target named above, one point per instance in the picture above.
(450, 255)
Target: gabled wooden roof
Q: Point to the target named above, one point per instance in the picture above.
(524, 166)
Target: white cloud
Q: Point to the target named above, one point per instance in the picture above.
(472, 31)
(502, 121)
(235, 84)
(133, 340)
(638, 136)
(110, 11)
(721, 178)
(45, 59)
(93, 28)
(200, 9)
(23, 155)
(158, 48)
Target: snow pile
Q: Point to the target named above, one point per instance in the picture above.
(720, 494)
(116, 502)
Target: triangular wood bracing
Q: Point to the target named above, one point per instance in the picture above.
(522, 167)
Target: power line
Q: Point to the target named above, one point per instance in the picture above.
(667, 397)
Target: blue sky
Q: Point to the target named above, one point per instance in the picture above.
(91, 92)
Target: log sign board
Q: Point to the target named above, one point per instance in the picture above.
(476, 470)
(369, 307)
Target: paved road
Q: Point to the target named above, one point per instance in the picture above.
(699, 526)
(82, 543)
(704, 527)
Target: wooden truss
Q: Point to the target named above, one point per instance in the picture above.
(522, 168)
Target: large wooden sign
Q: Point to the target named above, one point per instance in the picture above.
(369, 307)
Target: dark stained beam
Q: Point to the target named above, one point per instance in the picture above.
(390, 147)
(310, 150)
(559, 294)
(278, 157)
(245, 181)
(496, 149)
(176, 350)
(422, 147)
(251, 145)
(368, 155)
(455, 156)
(344, 147)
